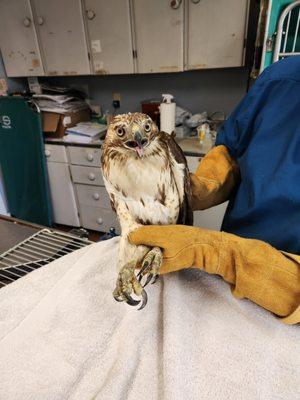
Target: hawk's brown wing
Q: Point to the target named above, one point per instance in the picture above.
(185, 214)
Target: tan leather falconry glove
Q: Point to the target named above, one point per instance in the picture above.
(214, 179)
(256, 270)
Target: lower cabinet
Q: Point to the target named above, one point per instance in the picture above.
(63, 199)
(98, 219)
(79, 197)
(95, 208)
(93, 201)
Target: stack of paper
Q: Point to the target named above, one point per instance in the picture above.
(61, 103)
(85, 132)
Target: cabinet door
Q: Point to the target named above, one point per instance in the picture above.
(61, 31)
(158, 35)
(215, 33)
(62, 194)
(109, 32)
(18, 39)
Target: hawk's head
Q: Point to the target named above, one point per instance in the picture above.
(133, 133)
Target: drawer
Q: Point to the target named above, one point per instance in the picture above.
(56, 153)
(87, 175)
(98, 219)
(93, 196)
(85, 156)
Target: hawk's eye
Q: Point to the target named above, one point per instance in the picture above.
(147, 127)
(120, 131)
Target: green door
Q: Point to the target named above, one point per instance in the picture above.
(22, 162)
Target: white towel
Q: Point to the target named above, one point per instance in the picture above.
(62, 336)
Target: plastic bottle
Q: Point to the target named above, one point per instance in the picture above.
(167, 114)
(207, 141)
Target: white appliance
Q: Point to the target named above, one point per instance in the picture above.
(63, 199)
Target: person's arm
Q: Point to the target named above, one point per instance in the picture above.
(255, 270)
(214, 179)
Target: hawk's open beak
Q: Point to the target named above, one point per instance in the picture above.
(141, 142)
(138, 143)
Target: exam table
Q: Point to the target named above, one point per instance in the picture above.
(62, 336)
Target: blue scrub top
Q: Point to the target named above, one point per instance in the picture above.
(263, 136)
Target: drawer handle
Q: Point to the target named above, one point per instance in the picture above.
(99, 221)
(90, 157)
(90, 14)
(27, 22)
(47, 153)
(91, 176)
(96, 196)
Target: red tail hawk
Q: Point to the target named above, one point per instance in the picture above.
(147, 178)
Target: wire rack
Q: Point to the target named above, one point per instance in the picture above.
(34, 252)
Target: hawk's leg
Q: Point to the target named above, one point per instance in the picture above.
(130, 256)
(127, 283)
(150, 266)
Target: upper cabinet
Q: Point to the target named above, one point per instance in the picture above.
(158, 35)
(109, 35)
(18, 40)
(61, 32)
(216, 31)
(81, 37)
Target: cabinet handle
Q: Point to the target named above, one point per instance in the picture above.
(40, 20)
(90, 14)
(99, 221)
(96, 196)
(195, 1)
(27, 22)
(91, 176)
(47, 153)
(90, 157)
(175, 4)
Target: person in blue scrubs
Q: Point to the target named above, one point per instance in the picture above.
(256, 166)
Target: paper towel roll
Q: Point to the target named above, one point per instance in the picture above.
(167, 117)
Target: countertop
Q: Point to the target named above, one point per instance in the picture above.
(190, 146)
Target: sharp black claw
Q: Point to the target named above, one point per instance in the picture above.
(119, 299)
(144, 299)
(155, 279)
(144, 267)
(131, 301)
(150, 276)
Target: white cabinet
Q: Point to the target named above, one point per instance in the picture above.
(109, 33)
(85, 156)
(216, 30)
(18, 40)
(93, 201)
(61, 31)
(213, 217)
(63, 200)
(87, 175)
(80, 37)
(158, 35)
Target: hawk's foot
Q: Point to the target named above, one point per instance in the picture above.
(127, 284)
(150, 266)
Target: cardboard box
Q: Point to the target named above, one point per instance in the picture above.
(55, 125)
